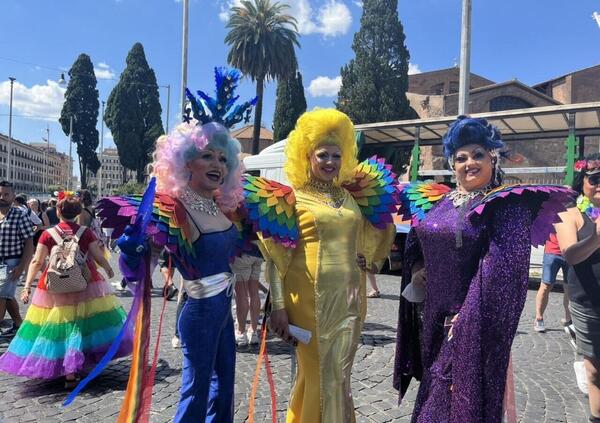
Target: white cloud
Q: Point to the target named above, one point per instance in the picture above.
(40, 100)
(358, 3)
(334, 19)
(330, 19)
(323, 86)
(413, 68)
(103, 71)
(596, 16)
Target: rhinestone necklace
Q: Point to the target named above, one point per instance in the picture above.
(197, 202)
(461, 197)
(326, 193)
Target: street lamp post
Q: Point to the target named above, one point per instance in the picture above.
(9, 144)
(465, 59)
(184, 54)
(168, 105)
(46, 152)
(101, 151)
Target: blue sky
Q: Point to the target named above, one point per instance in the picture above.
(525, 39)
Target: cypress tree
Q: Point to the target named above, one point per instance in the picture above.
(375, 82)
(81, 103)
(133, 113)
(290, 104)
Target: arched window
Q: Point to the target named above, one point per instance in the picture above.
(438, 89)
(508, 102)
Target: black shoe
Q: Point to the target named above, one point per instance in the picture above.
(171, 293)
(10, 332)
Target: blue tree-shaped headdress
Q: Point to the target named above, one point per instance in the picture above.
(226, 81)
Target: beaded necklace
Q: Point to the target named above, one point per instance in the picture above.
(461, 197)
(197, 202)
(325, 193)
(585, 206)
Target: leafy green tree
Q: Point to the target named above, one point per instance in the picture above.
(81, 104)
(130, 188)
(375, 82)
(290, 104)
(262, 40)
(133, 113)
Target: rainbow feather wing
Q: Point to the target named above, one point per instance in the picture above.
(544, 201)
(246, 234)
(417, 198)
(169, 225)
(375, 189)
(270, 207)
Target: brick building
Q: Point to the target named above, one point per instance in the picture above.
(244, 136)
(435, 94)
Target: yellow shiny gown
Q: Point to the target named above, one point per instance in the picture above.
(324, 292)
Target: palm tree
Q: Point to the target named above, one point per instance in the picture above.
(262, 39)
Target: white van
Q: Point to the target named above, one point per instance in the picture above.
(268, 163)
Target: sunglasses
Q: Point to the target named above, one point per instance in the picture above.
(6, 184)
(594, 179)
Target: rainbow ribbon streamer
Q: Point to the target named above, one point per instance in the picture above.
(138, 396)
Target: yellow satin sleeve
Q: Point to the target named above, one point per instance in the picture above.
(277, 260)
(375, 244)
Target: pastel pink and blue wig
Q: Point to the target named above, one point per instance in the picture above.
(184, 144)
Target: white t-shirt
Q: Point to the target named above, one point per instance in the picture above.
(32, 216)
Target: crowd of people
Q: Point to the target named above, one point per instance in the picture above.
(464, 283)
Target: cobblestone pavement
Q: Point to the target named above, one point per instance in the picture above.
(544, 379)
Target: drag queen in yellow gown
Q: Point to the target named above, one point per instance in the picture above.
(335, 215)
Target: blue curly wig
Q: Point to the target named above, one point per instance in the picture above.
(466, 130)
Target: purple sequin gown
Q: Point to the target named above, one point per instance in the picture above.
(485, 282)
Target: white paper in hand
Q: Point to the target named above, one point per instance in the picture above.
(300, 334)
(414, 293)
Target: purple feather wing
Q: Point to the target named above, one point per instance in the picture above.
(544, 201)
(168, 226)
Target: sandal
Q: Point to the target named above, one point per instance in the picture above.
(374, 294)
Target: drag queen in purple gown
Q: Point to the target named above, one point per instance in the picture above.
(468, 260)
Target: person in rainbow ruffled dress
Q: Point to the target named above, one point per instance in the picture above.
(65, 334)
(316, 236)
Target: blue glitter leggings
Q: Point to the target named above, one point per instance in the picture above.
(206, 330)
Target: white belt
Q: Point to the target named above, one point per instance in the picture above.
(209, 286)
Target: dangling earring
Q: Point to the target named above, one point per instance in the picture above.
(190, 177)
(497, 173)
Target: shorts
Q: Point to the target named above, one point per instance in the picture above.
(8, 287)
(247, 268)
(552, 263)
(586, 321)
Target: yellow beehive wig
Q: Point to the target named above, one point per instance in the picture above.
(314, 129)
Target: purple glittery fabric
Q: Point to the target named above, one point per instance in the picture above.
(485, 282)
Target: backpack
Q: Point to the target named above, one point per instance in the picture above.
(67, 268)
